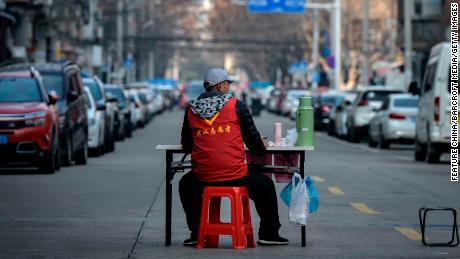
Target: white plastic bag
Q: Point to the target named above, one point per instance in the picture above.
(298, 210)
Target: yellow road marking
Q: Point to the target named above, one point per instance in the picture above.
(409, 233)
(363, 208)
(335, 191)
(317, 179)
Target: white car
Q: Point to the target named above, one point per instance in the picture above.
(135, 112)
(341, 113)
(295, 102)
(96, 125)
(433, 120)
(140, 108)
(394, 122)
(291, 100)
(363, 110)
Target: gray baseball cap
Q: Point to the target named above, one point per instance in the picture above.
(215, 76)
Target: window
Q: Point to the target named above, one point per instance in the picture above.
(19, 90)
(430, 75)
(54, 83)
(385, 104)
(95, 90)
(377, 95)
(406, 102)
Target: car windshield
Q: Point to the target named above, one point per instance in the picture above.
(332, 100)
(118, 93)
(294, 95)
(194, 89)
(143, 98)
(95, 90)
(54, 82)
(406, 102)
(377, 95)
(19, 90)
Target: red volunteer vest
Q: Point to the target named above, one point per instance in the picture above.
(218, 147)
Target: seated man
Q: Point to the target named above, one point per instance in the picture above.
(216, 127)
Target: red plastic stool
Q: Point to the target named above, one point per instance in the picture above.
(240, 227)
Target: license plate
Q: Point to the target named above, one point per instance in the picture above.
(3, 139)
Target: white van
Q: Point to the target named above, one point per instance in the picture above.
(432, 134)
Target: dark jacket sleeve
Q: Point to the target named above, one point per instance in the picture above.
(186, 134)
(251, 135)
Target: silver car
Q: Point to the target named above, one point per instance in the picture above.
(394, 121)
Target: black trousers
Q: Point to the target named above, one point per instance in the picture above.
(261, 190)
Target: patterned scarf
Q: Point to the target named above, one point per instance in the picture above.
(206, 108)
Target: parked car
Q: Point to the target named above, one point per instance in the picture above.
(295, 101)
(96, 126)
(29, 123)
(325, 104)
(64, 80)
(292, 100)
(273, 100)
(341, 113)
(190, 91)
(394, 121)
(143, 118)
(363, 110)
(134, 110)
(106, 106)
(433, 122)
(124, 107)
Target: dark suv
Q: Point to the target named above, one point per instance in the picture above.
(65, 82)
(28, 120)
(124, 108)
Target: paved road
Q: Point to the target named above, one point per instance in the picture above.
(114, 206)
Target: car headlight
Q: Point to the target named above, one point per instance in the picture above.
(35, 119)
(35, 122)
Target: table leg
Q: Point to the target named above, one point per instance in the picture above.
(168, 179)
(302, 173)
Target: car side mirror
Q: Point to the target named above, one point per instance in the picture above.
(72, 96)
(347, 103)
(52, 99)
(339, 108)
(101, 106)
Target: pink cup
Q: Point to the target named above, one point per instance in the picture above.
(278, 132)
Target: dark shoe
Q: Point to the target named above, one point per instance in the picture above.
(272, 241)
(191, 241)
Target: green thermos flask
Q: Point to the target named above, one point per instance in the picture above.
(305, 122)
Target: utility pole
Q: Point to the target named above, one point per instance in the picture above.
(408, 4)
(315, 44)
(337, 45)
(365, 69)
(120, 29)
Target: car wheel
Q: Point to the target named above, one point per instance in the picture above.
(48, 163)
(383, 143)
(330, 129)
(432, 155)
(57, 155)
(353, 135)
(371, 142)
(81, 156)
(66, 158)
(419, 151)
(111, 145)
(129, 130)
